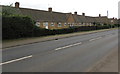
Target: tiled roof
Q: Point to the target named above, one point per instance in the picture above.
(80, 18)
(85, 19)
(40, 15)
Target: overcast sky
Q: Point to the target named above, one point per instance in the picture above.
(89, 7)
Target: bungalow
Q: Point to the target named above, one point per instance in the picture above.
(113, 21)
(47, 19)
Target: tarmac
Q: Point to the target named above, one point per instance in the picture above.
(107, 64)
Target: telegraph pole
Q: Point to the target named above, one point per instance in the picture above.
(107, 13)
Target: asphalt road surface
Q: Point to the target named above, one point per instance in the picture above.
(73, 54)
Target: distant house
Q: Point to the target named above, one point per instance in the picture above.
(118, 21)
(57, 20)
(113, 21)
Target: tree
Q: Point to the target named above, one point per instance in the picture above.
(9, 11)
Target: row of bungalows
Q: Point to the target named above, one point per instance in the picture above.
(57, 20)
(83, 20)
(47, 19)
(118, 21)
(113, 21)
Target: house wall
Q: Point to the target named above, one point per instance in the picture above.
(55, 25)
(113, 21)
(71, 20)
(62, 25)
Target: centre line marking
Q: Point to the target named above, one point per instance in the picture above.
(91, 39)
(16, 60)
(95, 39)
(68, 46)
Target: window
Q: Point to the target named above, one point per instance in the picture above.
(83, 23)
(65, 24)
(90, 23)
(69, 24)
(52, 24)
(79, 23)
(112, 21)
(37, 24)
(59, 25)
(45, 24)
(73, 23)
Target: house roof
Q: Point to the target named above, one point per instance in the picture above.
(40, 15)
(80, 18)
(85, 19)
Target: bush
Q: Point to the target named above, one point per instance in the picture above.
(17, 27)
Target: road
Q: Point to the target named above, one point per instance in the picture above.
(73, 54)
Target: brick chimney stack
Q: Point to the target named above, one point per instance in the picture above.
(99, 15)
(113, 18)
(50, 9)
(75, 13)
(83, 14)
(17, 4)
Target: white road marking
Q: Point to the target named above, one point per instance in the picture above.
(68, 46)
(16, 60)
(91, 39)
(95, 39)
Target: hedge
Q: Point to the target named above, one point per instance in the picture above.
(16, 27)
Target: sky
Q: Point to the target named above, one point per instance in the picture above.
(119, 10)
(89, 7)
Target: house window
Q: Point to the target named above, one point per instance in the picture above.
(37, 24)
(111, 21)
(45, 24)
(79, 23)
(69, 24)
(59, 25)
(83, 23)
(52, 24)
(65, 24)
(73, 23)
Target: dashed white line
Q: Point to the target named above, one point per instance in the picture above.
(91, 39)
(68, 46)
(16, 60)
(95, 39)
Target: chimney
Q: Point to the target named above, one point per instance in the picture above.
(99, 15)
(50, 9)
(113, 18)
(17, 4)
(83, 14)
(75, 13)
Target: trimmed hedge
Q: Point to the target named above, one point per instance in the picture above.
(16, 27)
(21, 26)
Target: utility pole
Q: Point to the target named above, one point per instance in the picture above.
(107, 13)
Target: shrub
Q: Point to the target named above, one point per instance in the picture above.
(16, 27)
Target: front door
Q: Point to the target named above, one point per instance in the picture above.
(46, 25)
